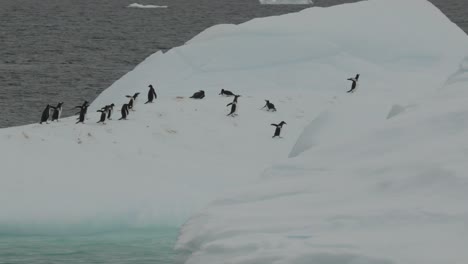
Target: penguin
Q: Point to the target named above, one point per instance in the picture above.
(124, 112)
(46, 114)
(269, 106)
(278, 129)
(81, 107)
(233, 105)
(133, 98)
(110, 110)
(83, 111)
(355, 83)
(198, 95)
(151, 94)
(226, 93)
(103, 112)
(57, 112)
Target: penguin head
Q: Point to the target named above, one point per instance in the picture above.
(283, 123)
(112, 105)
(135, 95)
(357, 76)
(150, 86)
(267, 101)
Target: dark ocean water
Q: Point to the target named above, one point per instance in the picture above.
(71, 50)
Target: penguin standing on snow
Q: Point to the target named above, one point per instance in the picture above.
(132, 101)
(278, 129)
(45, 114)
(233, 105)
(110, 110)
(269, 106)
(83, 111)
(226, 93)
(151, 94)
(355, 83)
(57, 112)
(124, 112)
(81, 107)
(198, 95)
(103, 111)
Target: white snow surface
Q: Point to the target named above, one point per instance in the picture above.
(286, 2)
(374, 177)
(136, 5)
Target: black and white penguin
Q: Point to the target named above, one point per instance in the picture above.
(57, 112)
(198, 95)
(355, 83)
(278, 128)
(234, 107)
(151, 94)
(83, 111)
(84, 105)
(124, 111)
(269, 106)
(45, 114)
(226, 93)
(110, 110)
(131, 103)
(103, 112)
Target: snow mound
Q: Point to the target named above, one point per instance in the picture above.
(136, 5)
(372, 178)
(286, 2)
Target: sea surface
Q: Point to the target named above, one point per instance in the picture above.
(71, 50)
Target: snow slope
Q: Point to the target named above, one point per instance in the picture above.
(377, 176)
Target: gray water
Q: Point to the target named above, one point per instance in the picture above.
(71, 50)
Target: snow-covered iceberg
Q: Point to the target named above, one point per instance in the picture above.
(286, 2)
(136, 5)
(360, 187)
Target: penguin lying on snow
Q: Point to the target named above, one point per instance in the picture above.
(198, 95)
(234, 107)
(278, 129)
(355, 83)
(151, 94)
(226, 93)
(269, 106)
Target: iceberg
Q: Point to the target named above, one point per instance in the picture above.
(357, 178)
(136, 5)
(286, 2)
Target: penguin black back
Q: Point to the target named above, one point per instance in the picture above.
(151, 94)
(270, 106)
(45, 114)
(278, 128)
(124, 111)
(57, 112)
(354, 84)
(81, 118)
(198, 95)
(226, 93)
